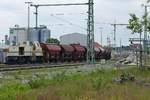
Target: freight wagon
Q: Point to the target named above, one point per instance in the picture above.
(35, 52)
(79, 52)
(51, 52)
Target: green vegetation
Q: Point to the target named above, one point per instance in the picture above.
(140, 25)
(96, 85)
(137, 24)
(53, 41)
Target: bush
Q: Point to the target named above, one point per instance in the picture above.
(97, 83)
(99, 79)
(60, 77)
(9, 92)
(37, 82)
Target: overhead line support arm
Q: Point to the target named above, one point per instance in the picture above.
(69, 4)
(90, 30)
(39, 5)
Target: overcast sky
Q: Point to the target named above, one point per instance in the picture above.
(63, 20)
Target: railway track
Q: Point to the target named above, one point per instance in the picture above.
(4, 68)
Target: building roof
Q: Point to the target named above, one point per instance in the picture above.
(73, 34)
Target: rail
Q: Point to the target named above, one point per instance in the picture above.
(4, 68)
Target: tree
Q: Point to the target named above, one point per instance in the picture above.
(137, 25)
(53, 41)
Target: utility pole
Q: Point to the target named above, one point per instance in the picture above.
(145, 20)
(141, 62)
(36, 14)
(145, 34)
(115, 29)
(108, 42)
(90, 32)
(28, 3)
(145, 31)
(145, 23)
(90, 26)
(101, 32)
(120, 46)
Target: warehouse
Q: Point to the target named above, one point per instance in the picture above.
(74, 38)
(17, 35)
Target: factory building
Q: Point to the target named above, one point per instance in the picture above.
(40, 34)
(20, 35)
(17, 35)
(74, 38)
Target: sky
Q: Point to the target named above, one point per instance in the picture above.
(73, 19)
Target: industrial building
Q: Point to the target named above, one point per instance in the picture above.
(17, 35)
(74, 38)
(20, 35)
(40, 34)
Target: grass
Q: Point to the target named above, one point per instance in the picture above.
(97, 85)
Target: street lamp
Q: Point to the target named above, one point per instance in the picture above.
(28, 3)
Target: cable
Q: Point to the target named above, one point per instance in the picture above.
(63, 14)
(70, 23)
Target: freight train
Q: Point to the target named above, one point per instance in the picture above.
(35, 52)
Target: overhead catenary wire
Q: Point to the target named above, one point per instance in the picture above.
(69, 14)
(70, 23)
(54, 5)
(90, 25)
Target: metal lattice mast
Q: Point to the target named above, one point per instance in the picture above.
(90, 33)
(90, 30)
(145, 32)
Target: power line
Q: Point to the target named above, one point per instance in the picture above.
(69, 14)
(43, 5)
(90, 24)
(70, 23)
(115, 29)
(101, 32)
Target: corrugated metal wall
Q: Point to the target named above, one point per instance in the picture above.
(20, 35)
(74, 38)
